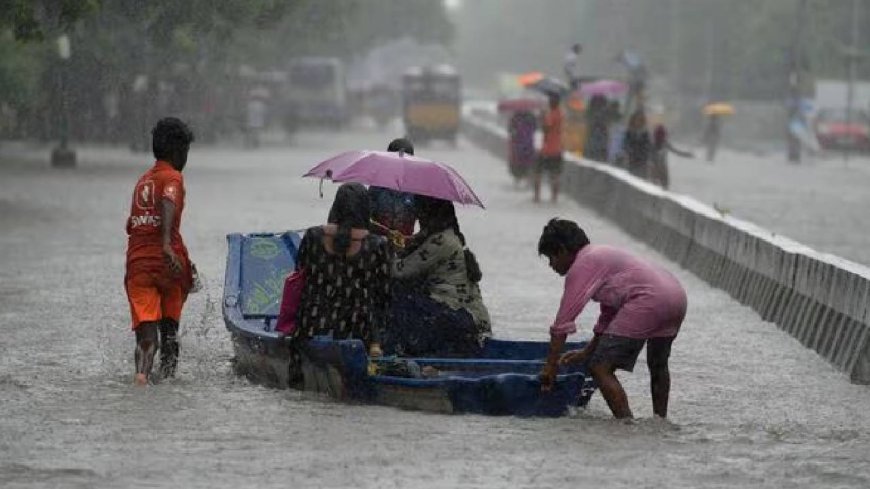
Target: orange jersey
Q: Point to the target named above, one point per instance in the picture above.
(144, 226)
(552, 133)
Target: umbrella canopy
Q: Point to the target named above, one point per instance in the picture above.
(529, 78)
(608, 88)
(719, 108)
(545, 84)
(398, 171)
(517, 104)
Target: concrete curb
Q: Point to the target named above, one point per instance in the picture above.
(820, 299)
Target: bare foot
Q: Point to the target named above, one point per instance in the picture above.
(140, 380)
(429, 371)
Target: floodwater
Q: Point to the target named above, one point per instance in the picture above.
(750, 406)
(820, 202)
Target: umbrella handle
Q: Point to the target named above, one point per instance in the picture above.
(328, 175)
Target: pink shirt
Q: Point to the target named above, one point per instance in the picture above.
(638, 299)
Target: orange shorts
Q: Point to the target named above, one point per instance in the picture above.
(154, 296)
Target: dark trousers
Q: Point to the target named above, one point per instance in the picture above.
(422, 327)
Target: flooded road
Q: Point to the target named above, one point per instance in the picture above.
(750, 406)
(819, 202)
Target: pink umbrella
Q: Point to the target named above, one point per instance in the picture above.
(520, 103)
(398, 171)
(603, 87)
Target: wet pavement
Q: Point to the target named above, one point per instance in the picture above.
(750, 406)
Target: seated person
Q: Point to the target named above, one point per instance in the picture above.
(393, 211)
(347, 274)
(440, 311)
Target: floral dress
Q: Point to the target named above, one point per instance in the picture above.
(438, 310)
(343, 296)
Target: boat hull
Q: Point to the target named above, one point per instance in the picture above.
(502, 381)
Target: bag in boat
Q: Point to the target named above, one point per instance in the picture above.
(290, 299)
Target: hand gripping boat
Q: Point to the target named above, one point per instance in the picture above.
(502, 381)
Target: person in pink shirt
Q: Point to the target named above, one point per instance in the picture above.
(641, 303)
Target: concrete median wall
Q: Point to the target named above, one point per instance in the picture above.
(820, 299)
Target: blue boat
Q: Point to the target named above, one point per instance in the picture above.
(502, 381)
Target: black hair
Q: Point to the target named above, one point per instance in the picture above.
(561, 234)
(554, 100)
(169, 138)
(436, 215)
(401, 144)
(350, 209)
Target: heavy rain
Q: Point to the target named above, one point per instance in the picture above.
(425, 243)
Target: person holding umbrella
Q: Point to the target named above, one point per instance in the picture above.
(393, 211)
(637, 145)
(550, 156)
(437, 308)
(715, 112)
(572, 66)
(598, 130)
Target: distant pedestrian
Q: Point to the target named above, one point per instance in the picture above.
(572, 66)
(712, 135)
(641, 304)
(521, 144)
(637, 146)
(597, 129)
(255, 121)
(159, 273)
(550, 156)
(659, 173)
(637, 78)
(616, 130)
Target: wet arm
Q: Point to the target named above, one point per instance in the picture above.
(557, 344)
(167, 215)
(678, 152)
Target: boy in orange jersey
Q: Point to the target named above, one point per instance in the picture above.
(159, 272)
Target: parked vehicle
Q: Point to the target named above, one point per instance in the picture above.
(835, 129)
(317, 91)
(431, 99)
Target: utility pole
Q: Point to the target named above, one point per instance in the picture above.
(62, 156)
(676, 65)
(852, 57)
(795, 78)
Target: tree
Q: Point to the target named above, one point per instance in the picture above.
(32, 20)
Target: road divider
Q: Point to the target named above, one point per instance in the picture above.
(820, 299)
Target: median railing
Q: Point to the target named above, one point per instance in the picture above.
(820, 299)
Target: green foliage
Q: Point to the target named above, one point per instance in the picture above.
(188, 43)
(342, 28)
(20, 70)
(30, 20)
(740, 48)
